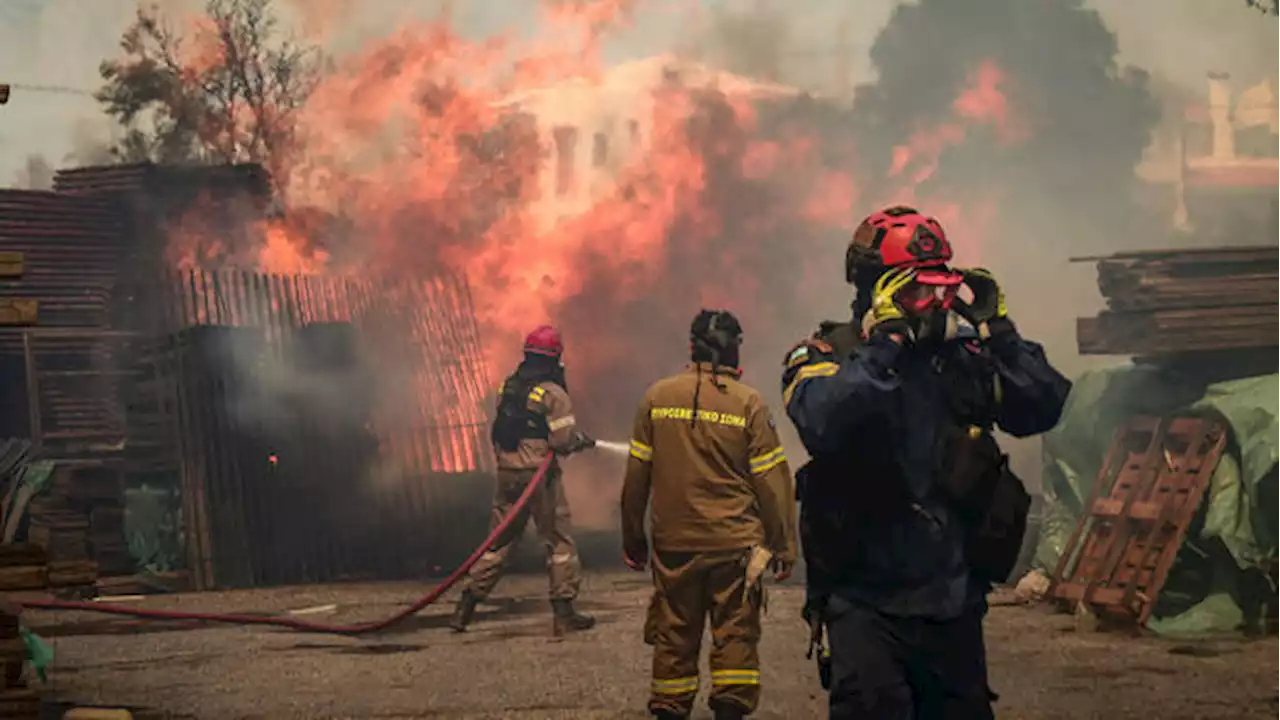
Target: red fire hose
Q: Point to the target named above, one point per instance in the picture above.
(302, 625)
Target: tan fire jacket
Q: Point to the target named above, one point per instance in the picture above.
(551, 400)
(715, 482)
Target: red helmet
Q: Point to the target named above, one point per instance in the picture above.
(895, 237)
(544, 340)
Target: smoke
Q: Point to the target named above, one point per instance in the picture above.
(1022, 146)
(1053, 178)
(37, 175)
(1016, 122)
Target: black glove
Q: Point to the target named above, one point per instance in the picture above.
(581, 441)
(815, 616)
(988, 311)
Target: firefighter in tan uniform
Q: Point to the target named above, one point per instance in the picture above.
(535, 417)
(707, 464)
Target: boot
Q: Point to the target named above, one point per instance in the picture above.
(567, 619)
(462, 613)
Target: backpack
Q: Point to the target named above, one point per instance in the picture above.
(515, 421)
(974, 474)
(988, 498)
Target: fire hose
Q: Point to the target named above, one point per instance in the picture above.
(301, 625)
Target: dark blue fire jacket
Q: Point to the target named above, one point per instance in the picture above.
(884, 408)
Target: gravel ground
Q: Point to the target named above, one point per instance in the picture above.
(508, 666)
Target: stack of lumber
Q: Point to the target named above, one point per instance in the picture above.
(61, 529)
(1179, 302)
(22, 568)
(148, 178)
(92, 493)
(107, 540)
(67, 253)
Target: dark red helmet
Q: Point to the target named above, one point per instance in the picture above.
(895, 237)
(544, 340)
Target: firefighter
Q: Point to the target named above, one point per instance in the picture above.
(908, 509)
(535, 417)
(707, 463)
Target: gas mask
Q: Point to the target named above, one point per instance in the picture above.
(929, 302)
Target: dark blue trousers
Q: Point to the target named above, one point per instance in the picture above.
(896, 668)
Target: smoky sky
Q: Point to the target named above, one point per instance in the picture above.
(1088, 119)
(1067, 188)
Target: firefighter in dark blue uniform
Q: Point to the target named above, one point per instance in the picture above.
(908, 510)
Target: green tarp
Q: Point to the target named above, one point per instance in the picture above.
(1217, 570)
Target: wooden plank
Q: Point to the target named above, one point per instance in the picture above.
(12, 263)
(19, 311)
(24, 577)
(18, 554)
(97, 714)
(70, 573)
(13, 650)
(20, 703)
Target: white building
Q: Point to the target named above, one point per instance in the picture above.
(1216, 155)
(593, 126)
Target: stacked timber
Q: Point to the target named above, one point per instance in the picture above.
(61, 528)
(155, 180)
(66, 252)
(107, 540)
(1169, 303)
(22, 568)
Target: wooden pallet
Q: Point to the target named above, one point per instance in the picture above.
(1148, 491)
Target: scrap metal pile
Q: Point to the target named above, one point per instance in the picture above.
(1177, 302)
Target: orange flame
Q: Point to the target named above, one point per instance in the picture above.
(445, 154)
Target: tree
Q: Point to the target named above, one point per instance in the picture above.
(227, 92)
(1270, 7)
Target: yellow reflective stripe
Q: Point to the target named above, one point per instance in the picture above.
(537, 393)
(684, 413)
(676, 686)
(640, 451)
(562, 423)
(768, 461)
(999, 390)
(822, 369)
(735, 677)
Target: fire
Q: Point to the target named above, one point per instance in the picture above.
(418, 142)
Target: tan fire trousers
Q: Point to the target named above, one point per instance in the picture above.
(549, 510)
(689, 589)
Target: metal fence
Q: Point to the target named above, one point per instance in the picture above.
(322, 423)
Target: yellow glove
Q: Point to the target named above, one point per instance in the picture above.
(886, 315)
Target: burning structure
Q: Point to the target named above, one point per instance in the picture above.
(596, 127)
(252, 403)
(1167, 468)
